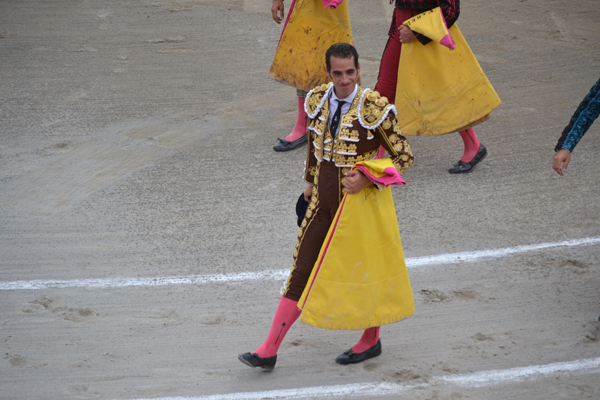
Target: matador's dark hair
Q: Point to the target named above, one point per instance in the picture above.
(341, 50)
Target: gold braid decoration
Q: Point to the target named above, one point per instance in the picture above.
(374, 108)
(315, 98)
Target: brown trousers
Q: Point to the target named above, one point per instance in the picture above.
(327, 195)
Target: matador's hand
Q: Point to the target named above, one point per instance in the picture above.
(308, 193)
(406, 35)
(355, 182)
(277, 7)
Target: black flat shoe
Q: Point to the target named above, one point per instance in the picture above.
(350, 357)
(284, 145)
(462, 167)
(253, 360)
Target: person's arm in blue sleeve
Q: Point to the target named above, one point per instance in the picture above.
(582, 119)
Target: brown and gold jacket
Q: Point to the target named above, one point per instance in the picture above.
(370, 122)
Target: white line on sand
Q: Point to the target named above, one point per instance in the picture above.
(455, 258)
(477, 379)
(452, 258)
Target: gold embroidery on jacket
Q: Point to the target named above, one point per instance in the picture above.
(374, 109)
(316, 98)
(349, 161)
(346, 148)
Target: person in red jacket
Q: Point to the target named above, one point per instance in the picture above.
(474, 151)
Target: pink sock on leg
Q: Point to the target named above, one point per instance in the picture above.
(301, 123)
(287, 313)
(369, 339)
(471, 144)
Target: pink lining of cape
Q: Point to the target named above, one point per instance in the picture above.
(391, 177)
(331, 3)
(447, 40)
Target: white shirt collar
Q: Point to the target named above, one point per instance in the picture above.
(348, 99)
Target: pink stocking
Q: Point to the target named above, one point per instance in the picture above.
(368, 340)
(471, 144)
(301, 123)
(286, 314)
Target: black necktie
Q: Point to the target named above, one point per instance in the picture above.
(335, 122)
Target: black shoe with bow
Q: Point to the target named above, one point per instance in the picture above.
(462, 167)
(284, 145)
(350, 357)
(253, 360)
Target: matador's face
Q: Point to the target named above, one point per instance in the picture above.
(344, 75)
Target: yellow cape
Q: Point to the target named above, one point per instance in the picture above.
(311, 29)
(360, 279)
(440, 90)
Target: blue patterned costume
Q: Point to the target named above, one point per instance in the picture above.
(584, 116)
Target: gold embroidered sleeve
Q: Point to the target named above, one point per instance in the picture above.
(315, 98)
(395, 143)
(373, 109)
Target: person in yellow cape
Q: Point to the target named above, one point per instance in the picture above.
(437, 86)
(347, 126)
(311, 27)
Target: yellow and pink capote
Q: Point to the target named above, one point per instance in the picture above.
(360, 278)
(312, 27)
(441, 86)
